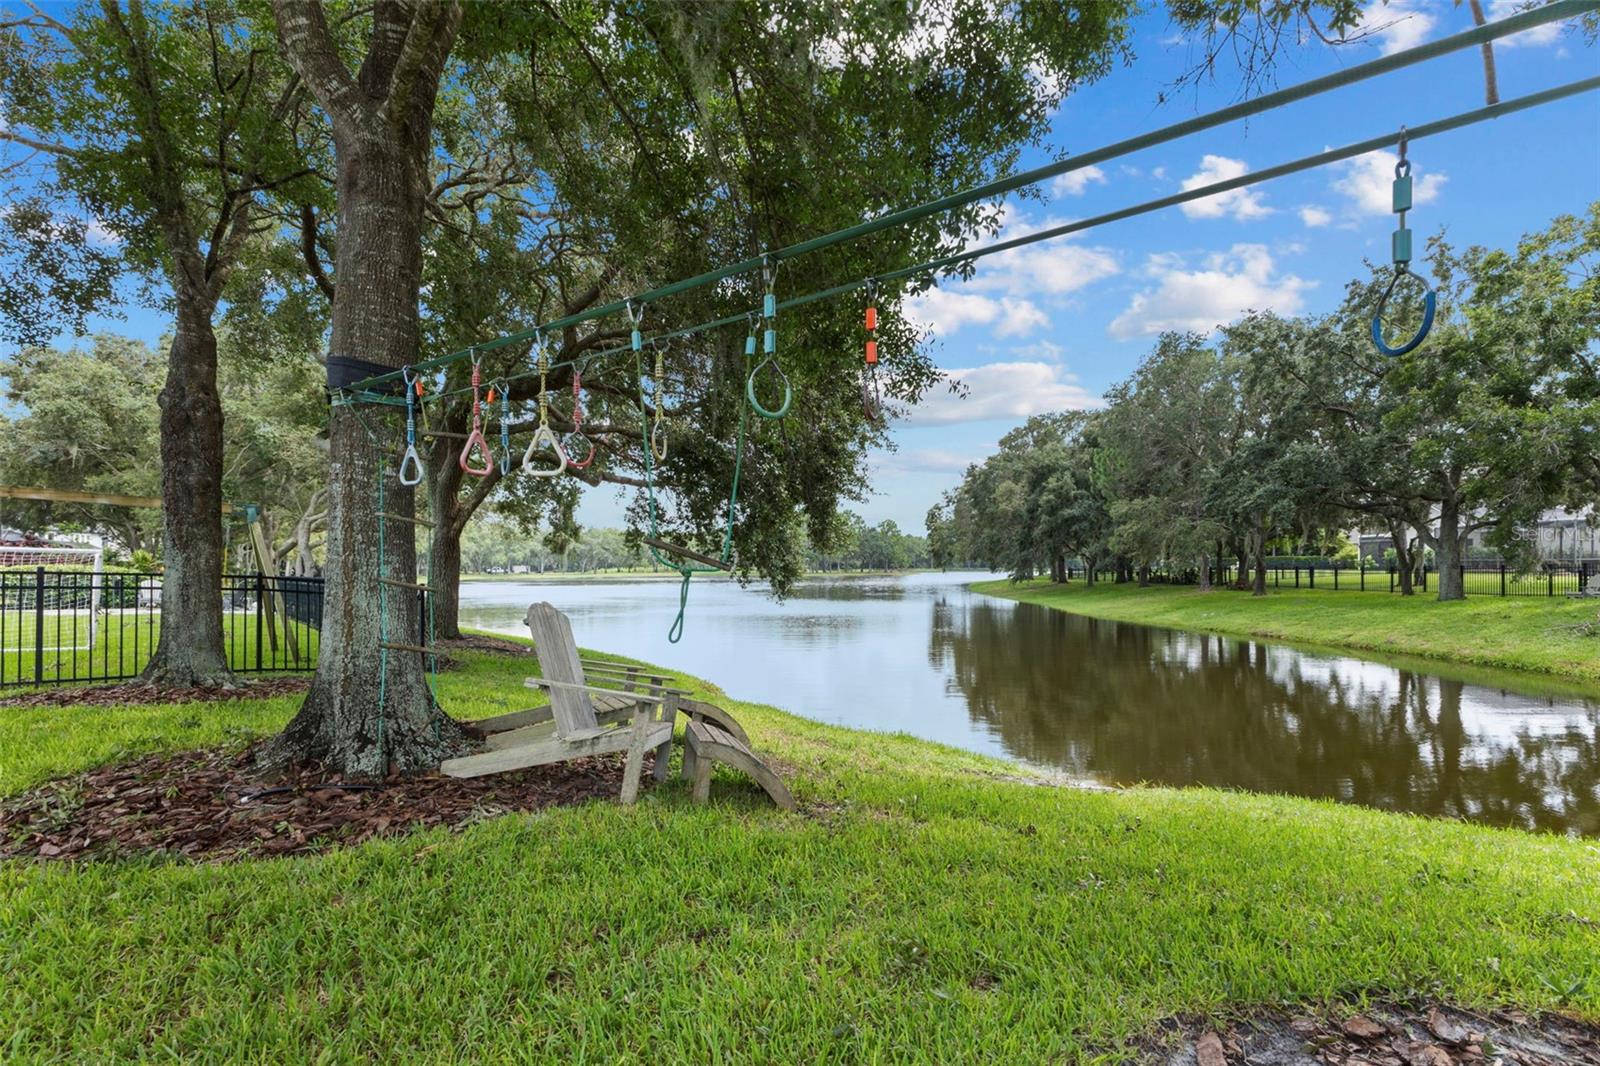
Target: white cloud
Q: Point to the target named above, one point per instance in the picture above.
(1396, 25)
(1075, 182)
(922, 461)
(1048, 351)
(1315, 216)
(1226, 286)
(1001, 295)
(944, 311)
(1537, 37)
(1242, 204)
(1008, 390)
(1368, 180)
(99, 233)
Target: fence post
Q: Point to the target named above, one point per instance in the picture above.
(1336, 579)
(1462, 573)
(1297, 575)
(38, 626)
(1391, 577)
(261, 594)
(1552, 573)
(1311, 576)
(1502, 577)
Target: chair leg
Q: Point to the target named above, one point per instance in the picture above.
(669, 715)
(702, 780)
(689, 759)
(635, 764)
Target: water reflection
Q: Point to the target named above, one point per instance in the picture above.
(1125, 703)
(1112, 702)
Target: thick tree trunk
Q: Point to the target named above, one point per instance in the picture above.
(1205, 573)
(444, 578)
(1258, 548)
(191, 650)
(370, 711)
(1447, 551)
(1402, 557)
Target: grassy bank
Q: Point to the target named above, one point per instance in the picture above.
(927, 905)
(1504, 633)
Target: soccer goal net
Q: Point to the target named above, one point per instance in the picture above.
(62, 603)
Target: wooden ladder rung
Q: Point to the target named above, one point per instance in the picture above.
(418, 648)
(397, 583)
(424, 523)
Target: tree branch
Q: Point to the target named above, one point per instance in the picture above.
(427, 45)
(308, 250)
(307, 44)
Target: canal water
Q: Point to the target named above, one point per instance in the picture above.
(1109, 702)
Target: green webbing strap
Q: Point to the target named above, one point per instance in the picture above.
(1321, 159)
(1525, 20)
(685, 570)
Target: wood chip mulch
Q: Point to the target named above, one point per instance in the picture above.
(141, 692)
(496, 645)
(1427, 1034)
(211, 806)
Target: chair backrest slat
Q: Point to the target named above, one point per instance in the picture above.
(558, 661)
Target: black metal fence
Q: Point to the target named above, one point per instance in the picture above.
(75, 625)
(1478, 578)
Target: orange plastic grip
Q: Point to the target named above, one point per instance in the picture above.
(872, 318)
(872, 353)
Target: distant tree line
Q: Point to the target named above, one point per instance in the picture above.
(1284, 432)
(496, 544)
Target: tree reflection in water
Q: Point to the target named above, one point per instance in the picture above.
(1126, 703)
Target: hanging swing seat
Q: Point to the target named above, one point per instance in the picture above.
(581, 719)
(688, 553)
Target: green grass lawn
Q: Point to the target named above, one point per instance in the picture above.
(123, 644)
(1529, 633)
(928, 905)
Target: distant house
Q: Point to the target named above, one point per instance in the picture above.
(1561, 536)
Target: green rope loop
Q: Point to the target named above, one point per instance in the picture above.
(685, 570)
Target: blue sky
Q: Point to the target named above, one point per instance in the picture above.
(1050, 327)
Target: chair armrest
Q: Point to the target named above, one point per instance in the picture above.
(637, 697)
(648, 680)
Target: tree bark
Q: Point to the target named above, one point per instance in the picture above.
(1447, 551)
(191, 650)
(370, 711)
(1402, 556)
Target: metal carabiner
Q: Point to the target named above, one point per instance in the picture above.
(504, 388)
(411, 461)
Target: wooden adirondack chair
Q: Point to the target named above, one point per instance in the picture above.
(581, 720)
(711, 735)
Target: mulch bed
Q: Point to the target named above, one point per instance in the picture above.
(142, 692)
(1383, 1035)
(490, 644)
(211, 806)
